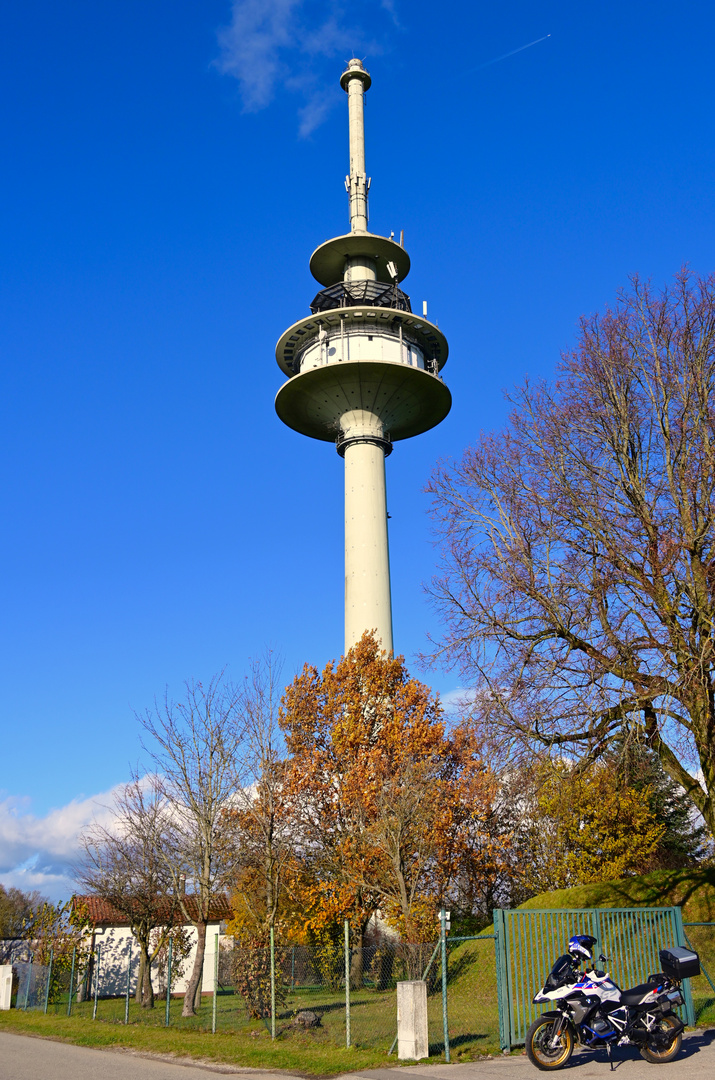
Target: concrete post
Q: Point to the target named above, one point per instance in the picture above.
(412, 1033)
(368, 604)
(5, 986)
(215, 993)
(168, 986)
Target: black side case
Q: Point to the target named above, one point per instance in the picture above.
(680, 963)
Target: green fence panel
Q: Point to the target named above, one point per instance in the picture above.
(528, 942)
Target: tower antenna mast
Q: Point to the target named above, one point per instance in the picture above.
(356, 82)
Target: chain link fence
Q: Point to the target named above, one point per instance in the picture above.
(333, 994)
(32, 985)
(328, 994)
(343, 997)
(472, 997)
(701, 937)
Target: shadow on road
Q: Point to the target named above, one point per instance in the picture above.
(693, 1043)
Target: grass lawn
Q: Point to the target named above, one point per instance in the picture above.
(241, 1041)
(693, 890)
(300, 1052)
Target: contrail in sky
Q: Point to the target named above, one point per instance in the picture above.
(506, 55)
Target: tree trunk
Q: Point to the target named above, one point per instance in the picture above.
(385, 957)
(140, 977)
(193, 989)
(148, 989)
(145, 990)
(85, 984)
(356, 963)
(357, 960)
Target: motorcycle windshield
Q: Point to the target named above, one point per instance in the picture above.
(562, 972)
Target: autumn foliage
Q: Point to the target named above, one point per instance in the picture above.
(587, 827)
(388, 803)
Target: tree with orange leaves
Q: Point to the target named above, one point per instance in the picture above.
(388, 800)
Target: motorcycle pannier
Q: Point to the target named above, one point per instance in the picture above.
(680, 963)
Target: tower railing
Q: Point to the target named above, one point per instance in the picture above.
(350, 293)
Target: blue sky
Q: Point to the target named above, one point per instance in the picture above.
(168, 169)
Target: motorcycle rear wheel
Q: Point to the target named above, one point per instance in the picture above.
(659, 1056)
(537, 1044)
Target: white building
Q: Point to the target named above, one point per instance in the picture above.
(115, 947)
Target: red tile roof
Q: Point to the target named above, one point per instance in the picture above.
(103, 913)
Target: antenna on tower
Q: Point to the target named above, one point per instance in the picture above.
(355, 81)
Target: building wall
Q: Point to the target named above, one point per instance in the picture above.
(115, 952)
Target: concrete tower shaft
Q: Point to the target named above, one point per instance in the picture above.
(368, 603)
(363, 372)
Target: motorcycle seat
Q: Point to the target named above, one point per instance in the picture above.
(634, 995)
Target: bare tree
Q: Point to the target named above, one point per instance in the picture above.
(126, 865)
(196, 746)
(578, 558)
(18, 909)
(260, 818)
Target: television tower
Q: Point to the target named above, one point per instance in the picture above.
(363, 372)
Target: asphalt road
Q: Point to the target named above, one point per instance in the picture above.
(26, 1058)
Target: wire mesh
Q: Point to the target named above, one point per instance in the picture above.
(472, 999)
(701, 937)
(31, 985)
(311, 992)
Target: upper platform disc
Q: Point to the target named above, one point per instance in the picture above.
(327, 263)
(408, 400)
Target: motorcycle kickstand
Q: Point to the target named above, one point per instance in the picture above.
(609, 1048)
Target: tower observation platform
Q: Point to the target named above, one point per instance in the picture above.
(363, 372)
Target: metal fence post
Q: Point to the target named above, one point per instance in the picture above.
(445, 1019)
(292, 970)
(347, 983)
(49, 976)
(129, 976)
(213, 1007)
(96, 982)
(273, 985)
(687, 991)
(502, 979)
(29, 980)
(71, 993)
(168, 984)
(598, 930)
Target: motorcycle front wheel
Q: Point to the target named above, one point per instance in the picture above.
(659, 1055)
(538, 1050)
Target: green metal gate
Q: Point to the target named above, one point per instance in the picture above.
(528, 942)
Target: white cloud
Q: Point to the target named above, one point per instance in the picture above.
(39, 852)
(391, 8)
(271, 45)
(456, 700)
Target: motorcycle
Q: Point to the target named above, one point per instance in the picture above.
(590, 1008)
